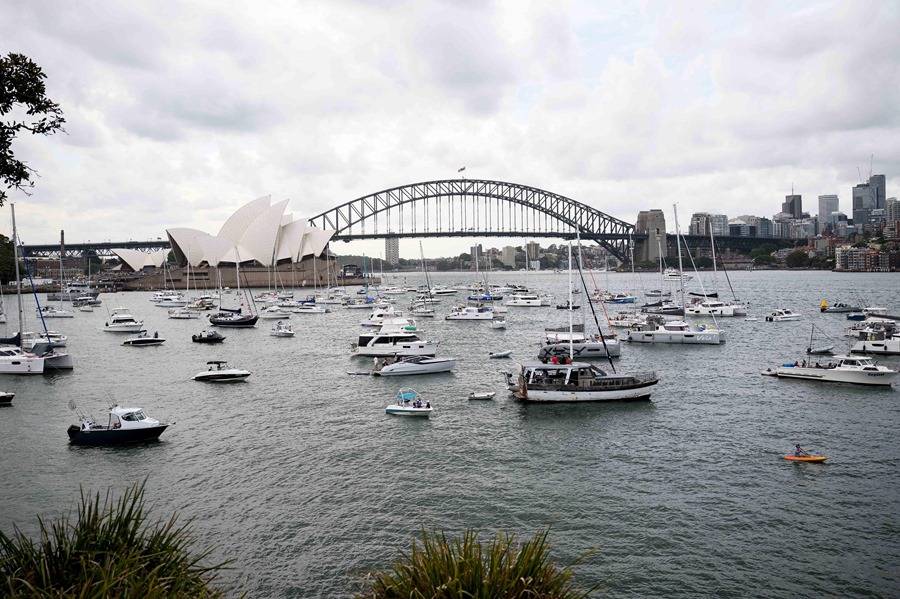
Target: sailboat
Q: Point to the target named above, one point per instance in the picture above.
(709, 304)
(235, 318)
(51, 311)
(574, 382)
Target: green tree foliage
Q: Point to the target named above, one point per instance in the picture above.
(797, 259)
(107, 551)
(22, 89)
(7, 262)
(764, 260)
(703, 262)
(764, 249)
(464, 567)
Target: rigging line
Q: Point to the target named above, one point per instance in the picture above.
(699, 278)
(593, 312)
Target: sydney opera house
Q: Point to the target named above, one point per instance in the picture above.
(259, 238)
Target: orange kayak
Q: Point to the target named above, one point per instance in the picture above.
(809, 458)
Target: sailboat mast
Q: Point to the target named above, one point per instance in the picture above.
(12, 208)
(678, 245)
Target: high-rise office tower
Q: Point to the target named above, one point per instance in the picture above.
(827, 205)
(392, 250)
(793, 205)
(877, 185)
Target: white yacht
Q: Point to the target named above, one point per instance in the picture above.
(583, 347)
(274, 313)
(218, 372)
(470, 313)
(658, 330)
(673, 274)
(121, 321)
(849, 369)
(783, 314)
(183, 313)
(409, 365)
(165, 294)
(442, 290)
(877, 341)
(29, 338)
(51, 312)
(390, 341)
(173, 301)
(525, 300)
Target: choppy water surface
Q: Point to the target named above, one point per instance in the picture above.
(301, 479)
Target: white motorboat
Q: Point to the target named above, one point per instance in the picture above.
(673, 274)
(125, 425)
(282, 329)
(859, 370)
(498, 323)
(183, 313)
(407, 365)
(144, 340)
(482, 394)
(500, 354)
(51, 312)
(577, 382)
(409, 403)
(627, 319)
(442, 290)
(121, 321)
(783, 314)
(470, 313)
(391, 341)
(274, 313)
(658, 330)
(310, 309)
(218, 372)
(85, 308)
(174, 301)
(165, 294)
(582, 347)
(379, 316)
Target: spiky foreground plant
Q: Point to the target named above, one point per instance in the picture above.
(108, 551)
(464, 567)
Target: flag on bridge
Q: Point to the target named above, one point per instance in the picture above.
(461, 170)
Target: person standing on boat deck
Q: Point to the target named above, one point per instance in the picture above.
(554, 359)
(799, 452)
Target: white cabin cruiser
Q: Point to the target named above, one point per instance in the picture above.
(390, 341)
(121, 321)
(14, 361)
(783, 314)
(880, 341)
(218, 372)
(470, 313)
(709, 307)
(407, 365)
(525, 300)
(282, 329)
(859, 370)
(51, 312)
(583, 346)
(577, 382)
(274, 313)
(673, 274)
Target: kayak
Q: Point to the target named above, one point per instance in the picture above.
(810, 458)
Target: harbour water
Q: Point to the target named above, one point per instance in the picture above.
(299, 477)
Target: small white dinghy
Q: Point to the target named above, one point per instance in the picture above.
(500, 354)
(409, 403)
(482, 394)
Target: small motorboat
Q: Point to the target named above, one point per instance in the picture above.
(805, 458)
(144, 340)
(500, 354)
(498, 323)
(208, 337)
(125, 425)
(565, 306)
(282, 329)
(751, 319)
(482, 394)
(6, 398)
(407, 365)
(219, 372)
(782, 315)
(409, 403)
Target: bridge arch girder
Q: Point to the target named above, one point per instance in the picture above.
(477, 202)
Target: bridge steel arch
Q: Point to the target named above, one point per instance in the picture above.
(473, 208)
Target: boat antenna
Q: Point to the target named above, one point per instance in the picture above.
(593, 312)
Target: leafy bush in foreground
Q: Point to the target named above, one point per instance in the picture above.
(106, 552)
(465, 568)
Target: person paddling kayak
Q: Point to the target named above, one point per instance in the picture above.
(799, 452)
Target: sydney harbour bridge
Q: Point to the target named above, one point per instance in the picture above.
(465, 208)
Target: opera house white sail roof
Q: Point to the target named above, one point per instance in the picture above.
(258, 231)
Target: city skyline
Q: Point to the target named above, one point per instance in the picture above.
(199, 108)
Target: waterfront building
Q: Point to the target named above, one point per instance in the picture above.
(533, 255)
(703, 222)
(508, 256)
(392, 251)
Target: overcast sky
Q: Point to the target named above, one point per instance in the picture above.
(180, 112)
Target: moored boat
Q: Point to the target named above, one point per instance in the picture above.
(409, 365)
(409, 403)
(208, 337)
(858, 370)
(144, 340)
(125, 425)
(219, 372)
(578, 382)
